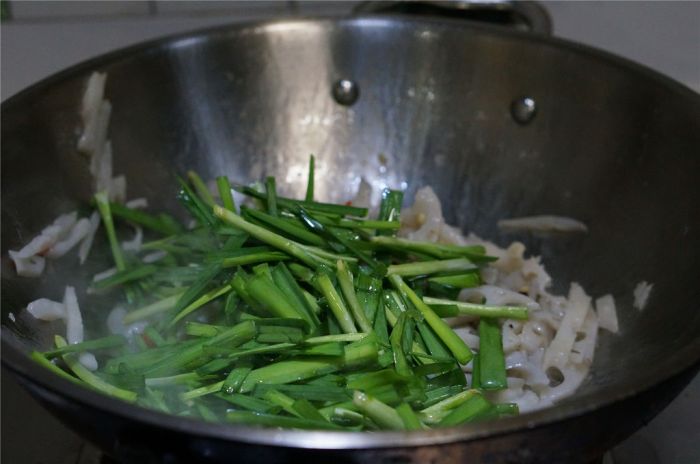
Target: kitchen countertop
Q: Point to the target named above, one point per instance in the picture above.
(664, 36)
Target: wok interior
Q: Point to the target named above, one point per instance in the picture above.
(615, 149)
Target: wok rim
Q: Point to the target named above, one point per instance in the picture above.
(20, 364)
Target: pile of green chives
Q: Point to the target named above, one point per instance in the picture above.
(293, 313)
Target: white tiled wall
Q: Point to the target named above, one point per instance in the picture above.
(205, 7)
(32, 10)
(46, 10)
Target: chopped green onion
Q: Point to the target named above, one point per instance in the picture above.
(346, 284)
(224, 186)
(310, 182)
(454, 343)
(271, 196)
(475, 253)
(469, 410)
(390, 208)
(385, 416)
(106, 213)
(264, 235)
(159, 306)
(162, 223)
(290, 204)
(492, 363)
(430, 267)
(200, 187)
(409, 417)
(335, 303)
(91, 379)
(111, 341)
(468, 280)
(451, 308)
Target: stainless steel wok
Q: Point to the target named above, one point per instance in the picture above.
(500, 123)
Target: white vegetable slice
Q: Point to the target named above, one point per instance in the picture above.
(584, 348)
(48, 236)
(641, 294)
(117, 189)
(102, 167)
(46, 310)
(544, 223)
(115, 323)
(74, 319)
(153, 257)
(557, 354)
(423, 220)
(95, 129)
(135, 243)
(94, 92)
(74, 326)
(137, 203)
(76, 234)
(104, 274)
(86, 245)
(363, 198)
(497, 296)
(573, 378)
(28, 267)
(563, 328)
(88, 360)
(607, 314)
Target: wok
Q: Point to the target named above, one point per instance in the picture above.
(501, 123)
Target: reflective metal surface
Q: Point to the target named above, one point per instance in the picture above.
(523, 109)
(613, 145)
(345, 92)
(523, 15)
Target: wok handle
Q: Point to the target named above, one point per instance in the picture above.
(528, 16)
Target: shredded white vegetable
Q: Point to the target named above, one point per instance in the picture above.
(641, 294)
(549, 355)
(135, 243)
(117, 189)
(363, 198)
(51, 234)
(95, 129)
(137, 203)
(74, 319)
(74, 326)
(154, 257)
(497, 296)
(544, 223)
(69, 311)
(46, 310)
(67, 231)
(607, 314)
(76, 234)
(557, 354)
(28, 267)
(94, 92)
(115, 323)
(104, 274)
(86, 245)
(101, 167)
